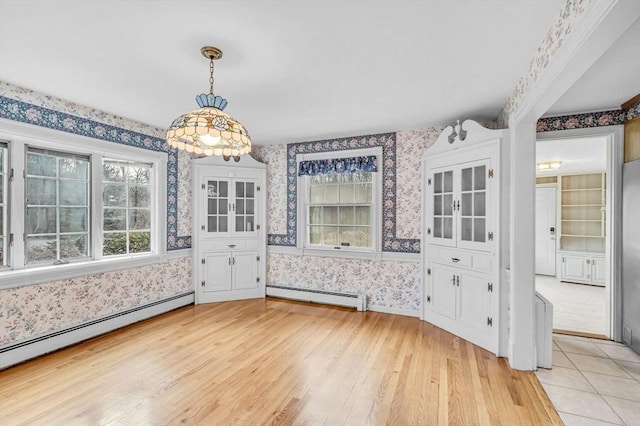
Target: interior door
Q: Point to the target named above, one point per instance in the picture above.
(546, 211)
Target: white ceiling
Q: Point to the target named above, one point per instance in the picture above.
(292, 70)
(578, 155)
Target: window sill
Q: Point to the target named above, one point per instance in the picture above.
(43, 274)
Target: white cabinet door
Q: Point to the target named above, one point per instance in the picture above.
(217, 272)
(575, 268)
(474, 301)
(442, 228)
(598, 270)
(230, 208)
(245, 270)
(443, 290)
(473, 205)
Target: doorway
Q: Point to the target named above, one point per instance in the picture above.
(546, 211)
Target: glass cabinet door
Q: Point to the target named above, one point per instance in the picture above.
(245, 199)
(473, 203)
(217, 206)
(442, 226)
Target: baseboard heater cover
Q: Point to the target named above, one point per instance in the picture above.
(358, 301)
(41, 345)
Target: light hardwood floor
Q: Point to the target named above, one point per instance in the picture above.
(273, 362)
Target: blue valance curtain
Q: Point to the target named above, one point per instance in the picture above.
(338, 165)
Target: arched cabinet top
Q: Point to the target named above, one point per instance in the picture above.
(463, 135)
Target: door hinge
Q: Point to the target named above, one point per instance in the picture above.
(490, 173)
(257, 227)
(257, 258)
(203, 187)
(202, 283)
(490, 287)
(429, 181)
(428, 271)
(428, 299)
(563, 260)
(428, 231)
(490, 321)
(258, 188)
(257, 279)
(490, 236)
(202, 227)
(203, 261)
(11, 175)
(11, 239)
(588, 261)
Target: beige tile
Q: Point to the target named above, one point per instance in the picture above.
(596, 364)
(566, 377)
(614, 386)
(606, 342)
(555, 347)
(581, 403)
(583, 347)
(621, 353)
(628, 411)
(573, 420)
(632, 368)
(561, 360)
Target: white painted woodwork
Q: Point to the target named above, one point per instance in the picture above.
(583, 268)
(229, 229)
(461, 232)
(546, 230)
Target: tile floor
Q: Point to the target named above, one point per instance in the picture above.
(576, 307)
(593, 382)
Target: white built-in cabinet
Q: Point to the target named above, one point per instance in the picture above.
(461, 189)
(229, 238)
(583, 268)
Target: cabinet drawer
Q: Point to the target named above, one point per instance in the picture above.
(477, 261)
(235, 244)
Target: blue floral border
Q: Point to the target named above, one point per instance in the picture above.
(32, 114)
(388, 143)
(593, 119)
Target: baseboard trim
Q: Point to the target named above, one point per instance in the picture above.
(31, 348)
(395, 311)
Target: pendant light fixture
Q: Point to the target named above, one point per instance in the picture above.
(208, 130)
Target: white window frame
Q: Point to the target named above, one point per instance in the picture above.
(4, 183)
(303, 246)
(20, 136)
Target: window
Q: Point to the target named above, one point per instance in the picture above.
(70, 205)
(338, 201)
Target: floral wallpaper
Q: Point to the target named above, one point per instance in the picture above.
(592, 119)
(31, 311)
(387, 284)
(571, 15)
(184, 194)
(275, 156)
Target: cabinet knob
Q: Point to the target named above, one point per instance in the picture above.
(455, 260)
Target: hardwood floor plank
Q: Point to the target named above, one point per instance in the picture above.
(272, 361)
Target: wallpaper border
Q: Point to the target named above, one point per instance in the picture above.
(388, 143)
(24, 112)
(587, 120)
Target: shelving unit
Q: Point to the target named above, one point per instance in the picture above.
(582, 208)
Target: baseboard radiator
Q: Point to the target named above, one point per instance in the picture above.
(19, 352)
(358, 301)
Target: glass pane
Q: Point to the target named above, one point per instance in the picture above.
(212, 206)
(478, 230)
(139, 242)
(331, 235)
(249, 207)
(212, 189)
(239, 224)
(315, 217)
(249, 190)
(1, 225)
(466, 231)
(240, 189)
(40, 165)
(447, 227)
(75, 169)
(212, 224)
(139, 196)
(331, 178)
(41, 220)
(330, 215)
(222, 224)
(479, 177)
(363, 215)
(437, 183)
(315, 194)
(139, 175)
(315, 234)
(1, 189)
(345, 177)
(363, 193)
(115, 220)
(139, 219)
(345, 215)
(437, 227)
(222, 206)
(479, 203)
(41, 191)
(362, 237)
(224, 189)
(114, 194)
(447, 204)
(447, 184)
(331, 194)
(239, 206)
(346, 193)
(362, 176)
(73, 193)
(114, 243)
(346, 236)
(73, 246)
(465, 204)
(437, 205)
(73, 219)
(467, 178)
(249, 222)
(112, 172)
(41, 249)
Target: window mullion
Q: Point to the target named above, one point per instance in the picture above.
(96, 220)
(17, 212)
